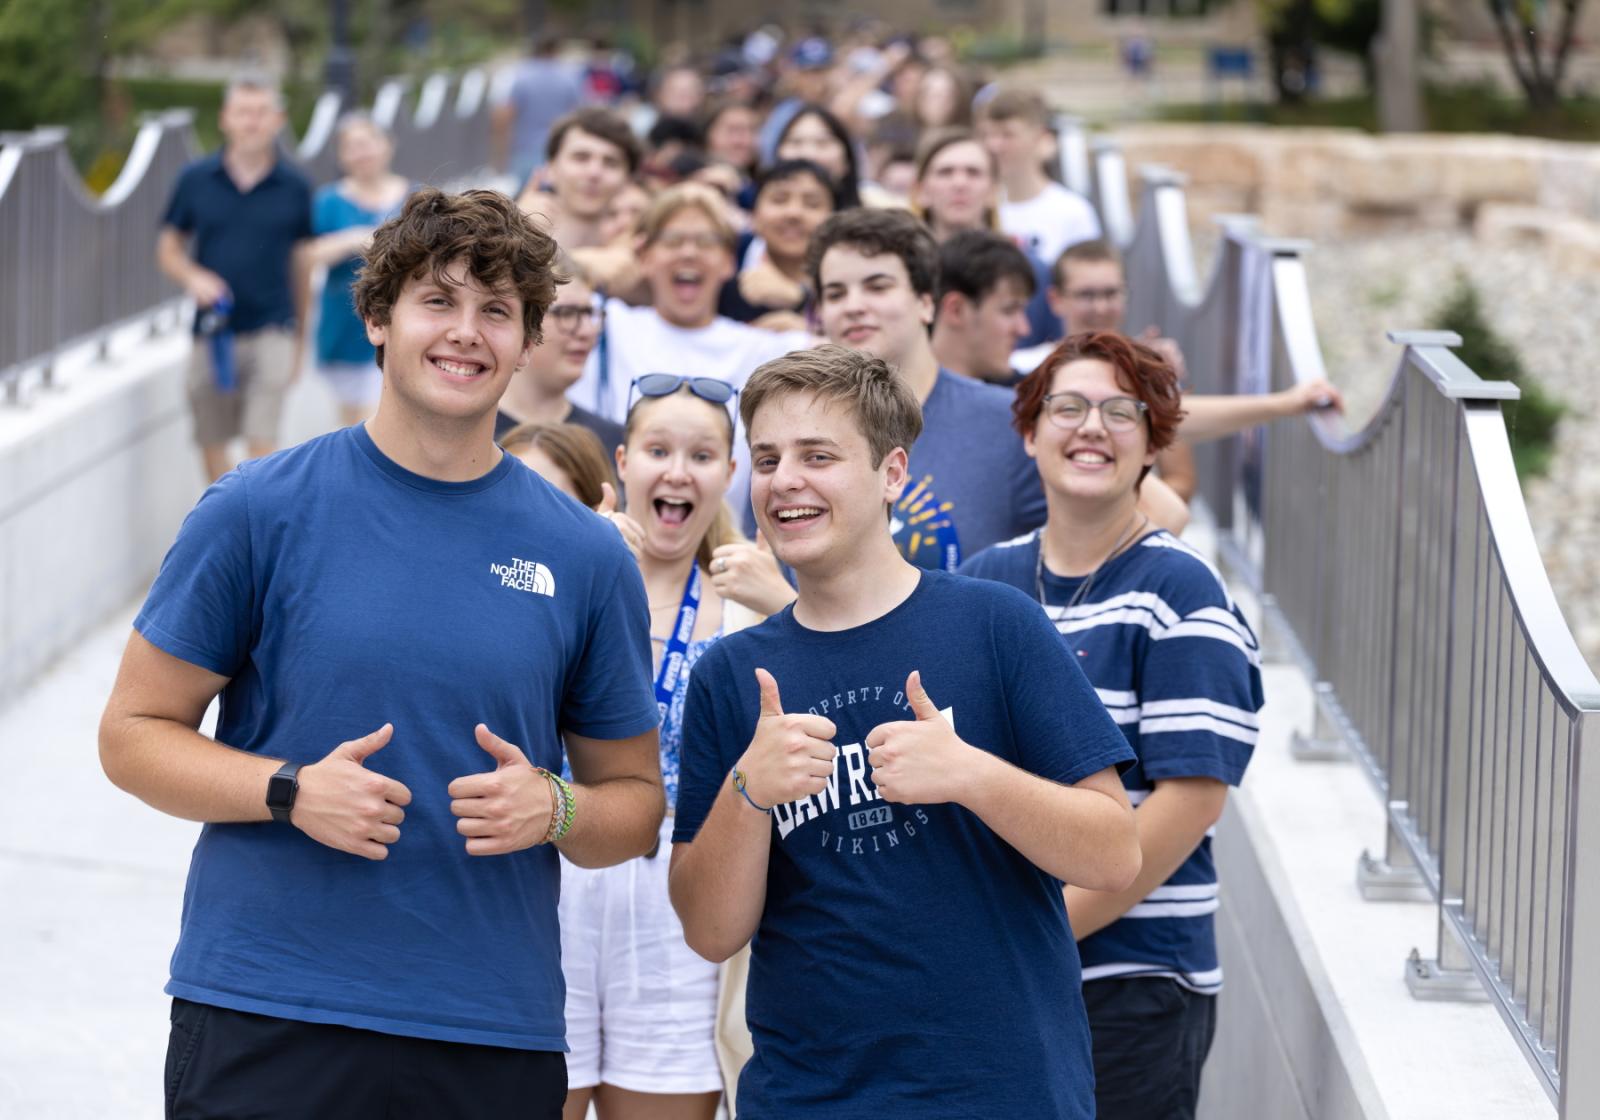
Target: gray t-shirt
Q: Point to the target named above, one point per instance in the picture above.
(543, 91)
(972, 484)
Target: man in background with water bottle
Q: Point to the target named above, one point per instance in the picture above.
(231, 238)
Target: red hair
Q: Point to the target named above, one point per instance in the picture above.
(1140, 371)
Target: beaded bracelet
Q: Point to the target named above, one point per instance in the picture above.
(563, 807)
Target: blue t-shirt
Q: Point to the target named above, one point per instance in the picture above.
(245, 238)
(341, 335)
(1179, 669)
(339, 591)
(909, 962)
(972, 484)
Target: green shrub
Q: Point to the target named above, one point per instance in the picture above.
(1531, 421)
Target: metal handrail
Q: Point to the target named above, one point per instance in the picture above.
(74, 268)
(1401, 562)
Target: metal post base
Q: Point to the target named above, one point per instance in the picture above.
(1426, 980)
(1378, 880)
(1304, 748)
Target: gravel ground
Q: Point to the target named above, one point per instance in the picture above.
(1362, 287)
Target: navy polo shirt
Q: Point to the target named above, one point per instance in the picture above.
(245, 237)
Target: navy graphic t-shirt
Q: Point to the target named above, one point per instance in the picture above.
(909, 961)
(338, 592)
(1178, 668)
(972, 485)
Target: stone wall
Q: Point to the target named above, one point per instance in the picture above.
(1325, 183)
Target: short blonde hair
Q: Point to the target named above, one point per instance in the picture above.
(688, 196)
(884, 408)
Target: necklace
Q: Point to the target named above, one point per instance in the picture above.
(1135, 523)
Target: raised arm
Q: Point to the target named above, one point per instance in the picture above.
(718, 883)
(1216, 417)
(1082, 833)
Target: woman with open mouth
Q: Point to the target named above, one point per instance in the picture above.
(641, 1005)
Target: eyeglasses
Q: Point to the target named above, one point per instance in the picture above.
(572, 317)
(672, 242)
(1095, 295)
(665, 384)
(1069, 410)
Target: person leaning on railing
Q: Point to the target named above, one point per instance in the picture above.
(1156, 632)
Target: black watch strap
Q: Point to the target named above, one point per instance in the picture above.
(281, 790)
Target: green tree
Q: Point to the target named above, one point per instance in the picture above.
(1298, 30)
(1537, 37)
(1531, 421)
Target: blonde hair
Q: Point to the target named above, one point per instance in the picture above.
(571, 447)
(688, 196)
(724, 527)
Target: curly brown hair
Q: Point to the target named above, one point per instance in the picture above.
(1140, 370)
(502, 250)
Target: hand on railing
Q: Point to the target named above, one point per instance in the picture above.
(1310, 396)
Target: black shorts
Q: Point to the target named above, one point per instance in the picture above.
(1150, 1037)
(239, 1066)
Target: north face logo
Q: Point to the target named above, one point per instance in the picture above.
(525, 575)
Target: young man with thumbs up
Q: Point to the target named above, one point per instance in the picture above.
(404, 626)
(885, 786)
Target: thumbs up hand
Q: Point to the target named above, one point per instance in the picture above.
(346, 806)
(632, 534)
(749, 575)
(505, 809)
(919, 761)
(791, 755)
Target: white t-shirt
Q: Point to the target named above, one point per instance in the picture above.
(1027, 359)
(638, 341)
(1050, 221)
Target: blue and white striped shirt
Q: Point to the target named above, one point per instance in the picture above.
(1179, 670)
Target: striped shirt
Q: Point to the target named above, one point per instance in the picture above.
(1179, 670)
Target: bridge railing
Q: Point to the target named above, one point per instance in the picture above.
(1401, 566)
(74, 268)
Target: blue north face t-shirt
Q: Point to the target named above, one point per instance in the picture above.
(971, 483)
(909, 962)
(338, 592)
(1178, 668)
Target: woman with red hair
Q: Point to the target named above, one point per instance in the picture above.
(1177, 666)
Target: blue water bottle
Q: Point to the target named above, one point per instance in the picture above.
(215, 328)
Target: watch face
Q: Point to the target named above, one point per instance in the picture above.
(281, 791)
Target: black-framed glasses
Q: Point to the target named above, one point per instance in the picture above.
(572, 317)
(1069, 410)
(665, 384)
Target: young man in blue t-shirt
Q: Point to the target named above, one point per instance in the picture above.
(404, 626)
(885, 785)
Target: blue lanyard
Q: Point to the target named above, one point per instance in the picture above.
(677, 650)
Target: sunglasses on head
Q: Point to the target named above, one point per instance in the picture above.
(665, 384)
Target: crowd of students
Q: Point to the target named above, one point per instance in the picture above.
(817, 334)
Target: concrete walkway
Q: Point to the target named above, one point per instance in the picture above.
(92, 881)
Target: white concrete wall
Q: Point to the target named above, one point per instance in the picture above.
(95, 478)
(1315, 1020)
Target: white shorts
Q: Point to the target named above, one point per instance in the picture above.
(357, 384)
(641, 1004)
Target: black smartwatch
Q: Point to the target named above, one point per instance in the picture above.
(281, 788)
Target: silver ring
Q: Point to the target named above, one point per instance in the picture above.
(719, 565)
